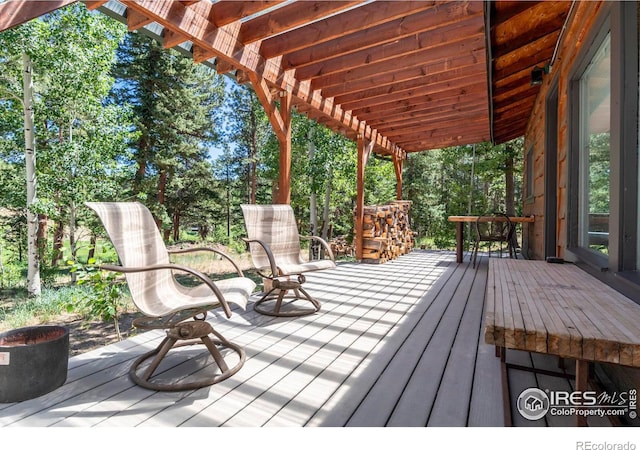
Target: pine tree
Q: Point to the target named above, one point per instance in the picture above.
(176, 105)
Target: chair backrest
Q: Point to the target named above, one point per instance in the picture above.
(138, 243)
(275, 225)
(496, 227)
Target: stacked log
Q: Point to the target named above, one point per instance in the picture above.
(340, 247)
(386, 233)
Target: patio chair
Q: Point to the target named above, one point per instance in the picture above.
(274, 244)
(495, 227)
(167, 304)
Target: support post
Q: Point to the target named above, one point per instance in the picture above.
(582, 384)
(364, 151)
(284, 176)
(280, 120)
(398, 158)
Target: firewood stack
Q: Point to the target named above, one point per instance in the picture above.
(340, 247)
(386, 232)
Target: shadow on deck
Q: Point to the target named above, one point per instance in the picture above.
(398, 344)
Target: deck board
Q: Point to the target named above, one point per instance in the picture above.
(396, 344)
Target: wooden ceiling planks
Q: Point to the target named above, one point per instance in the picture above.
(405, 74)
(523, 36)
(14, 13)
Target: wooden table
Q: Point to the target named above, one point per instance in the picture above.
(561, 310)
(461, 220)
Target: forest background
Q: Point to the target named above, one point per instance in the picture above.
(119, 118)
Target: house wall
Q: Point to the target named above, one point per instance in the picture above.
(585, 15)
(615, 378)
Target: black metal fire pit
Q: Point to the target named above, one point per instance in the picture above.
(33, 362)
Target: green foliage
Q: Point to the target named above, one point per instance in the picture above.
(175, 103)
(22, 310)
(105, 297)
(440, 184)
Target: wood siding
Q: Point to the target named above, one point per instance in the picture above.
(584, 17)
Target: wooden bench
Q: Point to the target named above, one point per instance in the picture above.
(561, 310)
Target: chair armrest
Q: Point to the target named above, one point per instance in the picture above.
(324, 243)
(205, 279)
(201, 249)
(267, 250)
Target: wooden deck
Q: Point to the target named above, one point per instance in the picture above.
(398, 344)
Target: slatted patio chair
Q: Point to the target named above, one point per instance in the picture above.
(167, 304)
(274, 243)
(494, 228)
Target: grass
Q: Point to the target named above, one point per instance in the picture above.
(59, 296)
(18, 310)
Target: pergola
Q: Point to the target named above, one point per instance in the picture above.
(396, 76)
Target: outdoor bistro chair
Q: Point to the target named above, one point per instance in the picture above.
(167, 304)
(274, 244)
(496, 227)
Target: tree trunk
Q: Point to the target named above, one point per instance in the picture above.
(72, 236)
(58, 236)
(313, 207)
(92, 247)
(41, 240)
(327, 201)
(176, 225)
(253, 151)
(33, 270)
(162, 187)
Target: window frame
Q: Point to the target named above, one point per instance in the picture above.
(619, 267)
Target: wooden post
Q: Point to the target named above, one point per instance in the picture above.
(280, 120)
(364, 151)
(398, 158)
(582, 384)
(284, 177)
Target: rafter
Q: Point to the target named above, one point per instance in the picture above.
(14, 13)
(340, 26)
(287, 17)
(429, 21)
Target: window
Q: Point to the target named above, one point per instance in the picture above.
(603, 209)
(595, 151)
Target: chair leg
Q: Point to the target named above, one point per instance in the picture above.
(475, 253)
(180, 335)
(279, 294)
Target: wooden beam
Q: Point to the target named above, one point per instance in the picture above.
(284, 173)
(287, 17)
(275, 116)
(17, 12)
(451, 78)
(408, 73)
(226, 12)
(423, 18)
(474, 50)
(280, 120)
(137, 20)
(428, 115)
(510, 34)
(364, 151)
(464, 33)
(171, 38)
(91, 5)
(475, 90)
(194, 21)
(398, 158)
(340, 26)
(425, 105)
